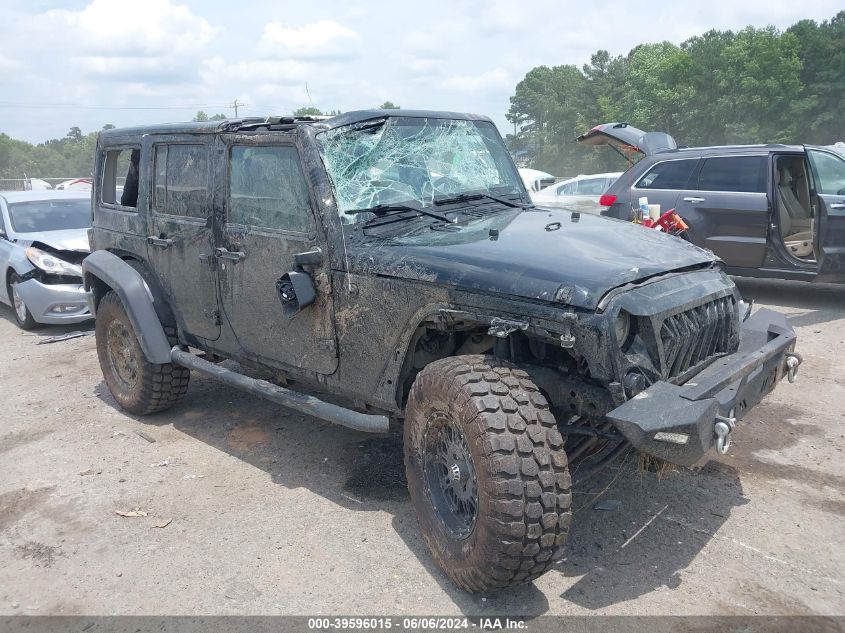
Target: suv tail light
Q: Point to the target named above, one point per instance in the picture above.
(607, 200)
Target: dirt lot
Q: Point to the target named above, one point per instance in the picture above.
(275, 513)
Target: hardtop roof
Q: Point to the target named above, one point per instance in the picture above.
(287, 122)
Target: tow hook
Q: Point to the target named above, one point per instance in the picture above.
(793, 361)
(723, 429)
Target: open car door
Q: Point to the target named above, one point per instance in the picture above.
(628, 140)
(828, 169)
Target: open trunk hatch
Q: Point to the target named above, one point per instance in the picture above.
(628, 140)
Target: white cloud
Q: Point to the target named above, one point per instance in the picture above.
(127, 28)
(496, 79)
(310, 40)
(7, 64)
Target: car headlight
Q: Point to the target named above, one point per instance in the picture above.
(51, 264)
(622, 327)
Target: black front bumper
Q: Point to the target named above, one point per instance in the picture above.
(676, 423)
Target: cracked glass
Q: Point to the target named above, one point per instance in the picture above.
(412, 161)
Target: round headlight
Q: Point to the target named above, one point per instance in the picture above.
(622, 327)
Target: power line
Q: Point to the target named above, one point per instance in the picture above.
(80, 106)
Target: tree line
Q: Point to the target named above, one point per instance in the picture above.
(73, 154)
(757, 85)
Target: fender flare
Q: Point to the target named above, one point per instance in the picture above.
(102, 268)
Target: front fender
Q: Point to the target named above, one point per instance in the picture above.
(103, 271)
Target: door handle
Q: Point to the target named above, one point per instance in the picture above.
(693, 199)
(838, 205)
(235, 256)
(163, 242)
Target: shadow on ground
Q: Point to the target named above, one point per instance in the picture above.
(661, 527)
(816, 303)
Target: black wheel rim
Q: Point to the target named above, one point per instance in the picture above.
(120, 348)
(450, 476)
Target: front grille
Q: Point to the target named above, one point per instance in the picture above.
(697, 335)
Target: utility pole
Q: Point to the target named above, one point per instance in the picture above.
(235, 105)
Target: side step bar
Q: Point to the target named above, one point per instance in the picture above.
(291, 399)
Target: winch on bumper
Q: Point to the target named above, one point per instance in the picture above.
(681, 423)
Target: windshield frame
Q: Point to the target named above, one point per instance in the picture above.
(83, 203)
(497, 161)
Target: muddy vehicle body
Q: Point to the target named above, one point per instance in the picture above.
(392, 261)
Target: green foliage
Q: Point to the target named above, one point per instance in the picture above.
(202, 116)
(309, 111)
(758, 85)
(71, 156)
(388, 105)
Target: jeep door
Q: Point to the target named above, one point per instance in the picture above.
(727, 208)
(828, 171)
(269, 218)
(180, 243)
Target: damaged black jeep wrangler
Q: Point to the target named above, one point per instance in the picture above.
(392, 261)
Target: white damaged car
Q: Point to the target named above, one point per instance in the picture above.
(43, 240)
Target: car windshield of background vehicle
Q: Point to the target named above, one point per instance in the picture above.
(50, 215)
(409, 160)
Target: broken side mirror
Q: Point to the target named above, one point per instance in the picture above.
(296, 292)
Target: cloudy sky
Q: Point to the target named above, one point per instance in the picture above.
(92, 62)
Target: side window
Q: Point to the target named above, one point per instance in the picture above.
(267, 189)
(591, 187)
(828, 172)
(180, 180)
(120, 177)
(733, 173)
(673, 174)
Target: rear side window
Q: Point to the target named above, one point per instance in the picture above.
(120, 177)
(672, 174)
(591, 186)
(267, 189)
(180, 180)
(733, 173)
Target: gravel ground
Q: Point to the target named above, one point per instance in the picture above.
(269, 512)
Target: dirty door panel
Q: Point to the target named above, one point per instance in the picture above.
(727, 208)
(181, 240)
(829, 180)
(269, 219)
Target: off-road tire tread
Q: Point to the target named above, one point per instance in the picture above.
(529, 489)
(161, 385)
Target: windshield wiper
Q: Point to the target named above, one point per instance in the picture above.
(466, 197)
(389, 210)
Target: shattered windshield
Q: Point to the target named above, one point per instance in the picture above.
(412, 161)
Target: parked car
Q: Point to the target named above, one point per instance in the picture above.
(392, 261)
(43, 240)
(765, 210)
(75, 184)
(534, 179)
(581, 193)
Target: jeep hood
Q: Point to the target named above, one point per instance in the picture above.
(628, 139)
(548, 255)
(66, 240)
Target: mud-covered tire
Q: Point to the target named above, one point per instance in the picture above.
(522, 478)
(138, 386)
